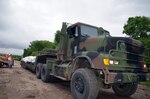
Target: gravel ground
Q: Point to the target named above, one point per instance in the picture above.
(18, 83)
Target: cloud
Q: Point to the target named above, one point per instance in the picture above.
(22, 21)
(11, 51)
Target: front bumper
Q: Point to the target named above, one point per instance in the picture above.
(126, 77)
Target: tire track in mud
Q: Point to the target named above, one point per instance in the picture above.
(18, 83)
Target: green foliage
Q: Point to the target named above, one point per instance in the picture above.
(36, 46)
(57, 37)
(137, 27)
(17, 57)
(41, 45)
(145, 83)
(27, 52)
(146, 42)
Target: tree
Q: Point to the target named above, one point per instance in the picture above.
(57, 37)
(36, 46)
(41, 45)
(17, 57)
(27, 52)
(146, 42)
(137, 27)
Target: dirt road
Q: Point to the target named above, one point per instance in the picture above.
(18, 83)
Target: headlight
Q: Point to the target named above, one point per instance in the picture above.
(145, 66)
(110, 61)
(106, 61)
(113, 62)
(116, 62)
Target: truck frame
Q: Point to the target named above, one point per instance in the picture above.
(92, 59)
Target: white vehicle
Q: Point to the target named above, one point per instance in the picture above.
(28, 62)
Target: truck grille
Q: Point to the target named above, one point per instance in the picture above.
(135, 56)
(134, 53)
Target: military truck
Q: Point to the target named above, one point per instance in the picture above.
(4, 59)
(92, 59)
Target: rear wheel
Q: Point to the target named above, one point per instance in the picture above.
(25, 65)
(38, 70)
(45, 74)
(1, 65)
(84, 84)
(125, 90)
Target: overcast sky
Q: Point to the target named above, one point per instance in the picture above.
(22, 21)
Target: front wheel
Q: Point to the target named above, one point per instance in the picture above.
(84, 84)
(125, 90)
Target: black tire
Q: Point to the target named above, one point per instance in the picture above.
(1, 65)
(25, 65)
(22, 64)
(45, 74)
(84, 84)
(125, 90)
(38, 70)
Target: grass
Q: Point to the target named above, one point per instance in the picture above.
(145, 83)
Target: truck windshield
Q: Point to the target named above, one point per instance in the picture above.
(89, 31)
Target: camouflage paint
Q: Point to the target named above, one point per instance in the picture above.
(126, 77)
(95, 49)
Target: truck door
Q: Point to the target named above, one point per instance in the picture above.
(73, 41)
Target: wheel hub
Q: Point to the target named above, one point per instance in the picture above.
(79, 85)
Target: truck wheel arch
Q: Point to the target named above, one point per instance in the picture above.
(85, 62)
